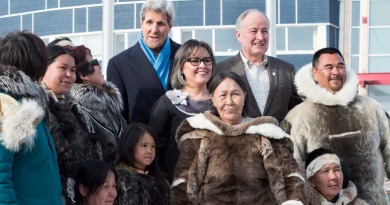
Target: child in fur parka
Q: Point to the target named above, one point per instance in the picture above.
(103, 101)
(140, 180)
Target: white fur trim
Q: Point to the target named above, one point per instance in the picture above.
(307, 87)
(190, 136)
(65, 43)
(201, 122)
(297, 175)
(344, 134)
(292, 202)
(321, 161)
(70, 188)
(20, 127)
(268, 130)
(177, 182)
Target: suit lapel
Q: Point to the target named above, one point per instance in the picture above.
(272, 69)
(251, 107)
(142, 66)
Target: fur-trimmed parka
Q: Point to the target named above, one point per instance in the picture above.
(249, 163)
(346, 196)
(135, 188)
(28, 163)
(355, 127)
(104, 106)
(72, 134)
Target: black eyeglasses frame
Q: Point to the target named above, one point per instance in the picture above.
(200, 60)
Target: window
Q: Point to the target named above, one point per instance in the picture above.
(298, 38)
(380, 93)
(119, 43)
(355, 36)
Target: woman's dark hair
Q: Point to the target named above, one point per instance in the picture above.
(127, 144)
(55, 51)
(82, 67)
(218, 80)
(182, 54)
(91, 174)
(26, 51)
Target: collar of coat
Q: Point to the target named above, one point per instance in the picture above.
(125, 166)
(94, 97)
(266, 126)
(308, 88)
(346, 196)
(18, 84)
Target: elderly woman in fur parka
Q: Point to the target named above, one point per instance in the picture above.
(226, 158)
(103, 101)
(70, 126)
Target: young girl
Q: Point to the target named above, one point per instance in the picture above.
(141, 180)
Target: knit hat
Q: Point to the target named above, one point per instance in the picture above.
(319, 158)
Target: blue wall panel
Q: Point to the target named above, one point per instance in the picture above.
(287, 11)
(95, 17)
(231, 9)
(53, 22)
(137, 15)
(188, 13)
(277, 12)
(3, 7)
(80, 20)
(27, 22)
(313, 11)
(126, 0)
(124, 16)
(297, 60)
(9, 24)
(213, 12)
(334, 12)
(66, 3)
(19, 6)
(52, 4)
(333, 36)
(221, 58)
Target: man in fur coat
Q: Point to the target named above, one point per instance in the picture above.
(355, 127)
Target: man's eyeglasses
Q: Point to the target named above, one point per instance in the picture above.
(196, 61)
(93, 62)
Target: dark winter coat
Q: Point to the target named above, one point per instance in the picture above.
(72, 135)
(28, 163)
(104, 106)
(355, 127)
(249, 163)
(135, 188)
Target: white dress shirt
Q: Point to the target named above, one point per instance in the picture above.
(258, 80)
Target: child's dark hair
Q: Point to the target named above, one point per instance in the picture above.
(91, 174)
(127, 144)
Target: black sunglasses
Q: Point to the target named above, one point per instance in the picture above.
(93, 62)
(196, 61)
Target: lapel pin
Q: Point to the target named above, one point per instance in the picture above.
(273, 73)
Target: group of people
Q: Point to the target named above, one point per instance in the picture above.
(171, 126)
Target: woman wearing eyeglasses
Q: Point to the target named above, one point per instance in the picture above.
(193, 67)
(103, 101)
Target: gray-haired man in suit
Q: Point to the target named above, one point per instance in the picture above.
(269, 81)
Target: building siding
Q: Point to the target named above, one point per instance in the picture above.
(298, 60)
(313, 11)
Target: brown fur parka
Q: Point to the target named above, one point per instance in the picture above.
(249, 163)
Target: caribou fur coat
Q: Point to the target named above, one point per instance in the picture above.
(104, 106)
(355, 127)
(249, 163)
(346, 196)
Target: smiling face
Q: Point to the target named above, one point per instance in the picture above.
(95, 78)
(60, 75)
(328, 180)
(197, 76)
(155, 29)
(254, 36)
(145, 151)
(330, 73)
(228, 98)
(106, 194)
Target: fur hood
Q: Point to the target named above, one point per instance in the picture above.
(94, 97)
(347, 196)
(267, 126)
(18, 84)
(308, 88)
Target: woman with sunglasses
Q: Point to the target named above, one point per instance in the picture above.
(193, 66)
(103, 101)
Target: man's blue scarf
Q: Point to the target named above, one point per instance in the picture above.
(162, 63)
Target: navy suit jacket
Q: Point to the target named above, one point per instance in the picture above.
(137, 81)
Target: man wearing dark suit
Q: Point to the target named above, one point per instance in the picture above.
(142, 72)
(269, 81)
